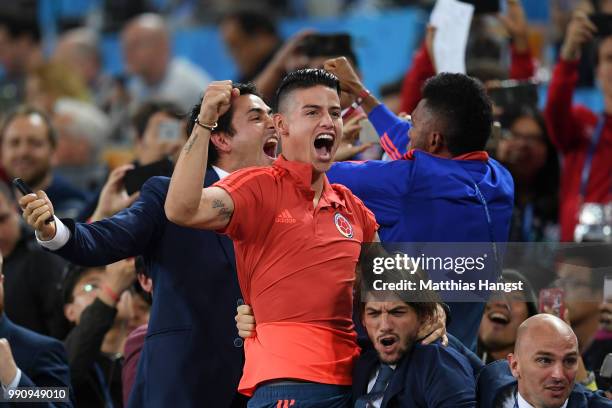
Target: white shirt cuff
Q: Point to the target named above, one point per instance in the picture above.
(62, 235)
(15, 381)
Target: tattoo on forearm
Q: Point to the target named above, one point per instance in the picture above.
(190, 142)
(224, 212)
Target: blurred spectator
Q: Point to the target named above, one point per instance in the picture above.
(390, 94)
(31, 276)
(28, 143)
(503, 315)
(581, 275)
(532, 160)
(47, 83)
(521, 64)
(151, 145)
(97, 302)
(28, 359)
(583, 138)
(19, 51)
(148, 57)
(82, 133)
(251, 39)
(540, 373)
(78, 50)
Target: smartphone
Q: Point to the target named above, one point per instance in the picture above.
(25, 190)
(603, 22)
(169, 130)
(135, 178)
(317, 45)
(484, 6)
(552, 300)
(511, 94)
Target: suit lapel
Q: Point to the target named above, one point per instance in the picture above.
(365, 367)
(398, 381)
(225, 243)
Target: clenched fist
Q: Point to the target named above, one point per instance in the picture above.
(216, 101)
(37, 209)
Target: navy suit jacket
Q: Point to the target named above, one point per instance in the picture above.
(428, 376)
(192, 355)
(496, 381)
(41, 359)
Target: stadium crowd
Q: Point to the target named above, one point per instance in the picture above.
(133, 274)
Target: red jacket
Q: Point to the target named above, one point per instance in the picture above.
(521, 67)
(570, 129)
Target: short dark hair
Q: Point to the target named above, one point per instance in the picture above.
(461, 104)
(303, 79)
(141, 117)
(252, 22)
(26, 110)
(224, 123)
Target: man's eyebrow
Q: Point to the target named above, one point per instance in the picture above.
(311, 107)
(257, 110)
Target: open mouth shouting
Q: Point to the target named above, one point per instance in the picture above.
(388, 344)
(498, 317)
(323, 144)
(270, 147)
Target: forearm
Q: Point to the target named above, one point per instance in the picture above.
(185, 190)
(558, 109)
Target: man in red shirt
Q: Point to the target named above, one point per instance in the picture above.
(583, 138)
(297, 240)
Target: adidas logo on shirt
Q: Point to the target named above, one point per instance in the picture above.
(285, 218)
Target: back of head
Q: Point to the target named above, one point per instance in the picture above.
(303, 79)
(461, 105)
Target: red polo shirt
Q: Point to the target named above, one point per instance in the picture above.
(296, 268)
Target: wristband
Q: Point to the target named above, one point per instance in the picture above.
(111, 293)
(210, 128)
(356, 104)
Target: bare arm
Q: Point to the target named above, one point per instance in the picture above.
(187, 204)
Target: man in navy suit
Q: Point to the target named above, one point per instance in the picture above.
(28, 359)
(399, 372)
(192, 355)
(540, 373)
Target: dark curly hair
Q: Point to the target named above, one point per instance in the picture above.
(462, 106)
(224, 123)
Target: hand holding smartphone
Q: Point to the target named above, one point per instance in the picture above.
(25, 190)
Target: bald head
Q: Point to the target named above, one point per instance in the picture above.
(543, 326)
(146, 46)
(78, 49)
(545, 361)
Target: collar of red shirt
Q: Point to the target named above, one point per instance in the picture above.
(301, 173)
(479, 155)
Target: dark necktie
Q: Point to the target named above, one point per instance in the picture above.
(378, 390)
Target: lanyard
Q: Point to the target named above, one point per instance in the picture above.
(489, 222)
(527, 222)
(586, 169)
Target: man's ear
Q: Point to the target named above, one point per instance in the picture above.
(514, 365)
(436, 142)
(222, 141)
(281, 125)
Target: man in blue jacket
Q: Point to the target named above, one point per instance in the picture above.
(399, 372)
(192, 354)
(540, 373)
(28, 359)
(445, 188)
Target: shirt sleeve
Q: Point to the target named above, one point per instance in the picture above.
(249, 189)
(62, 235)
(15, 383)
(368, 221)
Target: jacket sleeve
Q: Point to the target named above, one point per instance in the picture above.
(392, 130)
(450, 382)
(121, 236)
(563, 127)
(521, 64)
(422, 69)
(50, 369)
(84, 341)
